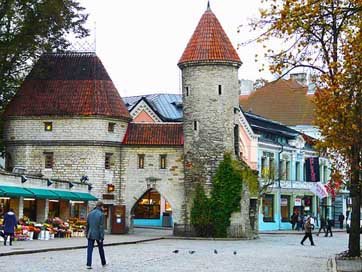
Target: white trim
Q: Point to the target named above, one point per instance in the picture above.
(142, 106)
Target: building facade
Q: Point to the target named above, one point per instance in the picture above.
(68, 121)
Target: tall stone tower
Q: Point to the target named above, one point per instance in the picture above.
(210, 94)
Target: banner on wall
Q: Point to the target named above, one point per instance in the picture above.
(319, 190)
(312, 169)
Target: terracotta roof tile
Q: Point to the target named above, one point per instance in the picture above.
(68, 84)
(285, 101)
(154, 134)
(209, 43)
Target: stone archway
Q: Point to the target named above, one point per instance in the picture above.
(151, 210)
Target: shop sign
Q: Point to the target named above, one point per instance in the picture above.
(284, 202)
(298, 202)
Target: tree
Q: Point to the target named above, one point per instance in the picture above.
(201, 217)
(323, 35)
(28, 28)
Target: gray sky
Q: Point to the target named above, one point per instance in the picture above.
(141, 41)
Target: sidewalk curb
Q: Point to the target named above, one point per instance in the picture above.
(332, 265)
(75, 247)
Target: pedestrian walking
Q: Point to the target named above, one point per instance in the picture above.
(9, 223)
(299, 222)
(329, 224)
(95, 232)
(341, 219)
(294, 219)
(308, 233)
(322, 226)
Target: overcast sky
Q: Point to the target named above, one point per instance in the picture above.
(141, 41)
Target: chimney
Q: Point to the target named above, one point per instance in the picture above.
(301, 78)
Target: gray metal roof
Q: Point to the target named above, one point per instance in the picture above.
(167, 106)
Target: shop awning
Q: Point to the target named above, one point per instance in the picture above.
(43, 193)
(13, 191)
(66, 195)
(86, 196)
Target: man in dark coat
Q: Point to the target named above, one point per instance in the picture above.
(95, 232)
(9, 223)
(341, 219)
(329, 224)
(308, 232)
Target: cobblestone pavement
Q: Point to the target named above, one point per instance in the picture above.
(269, 253)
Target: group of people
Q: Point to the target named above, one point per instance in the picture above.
(298, 221)
(94, 231)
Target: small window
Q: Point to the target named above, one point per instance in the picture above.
(141, 161)
(108, 161)
(49, 160)
(268, 208)
(220, 90)
(187, 91)
(162, 161)
(111, 127)
(195, 126)
(48, 126)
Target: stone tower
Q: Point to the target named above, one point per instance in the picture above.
(210, 94)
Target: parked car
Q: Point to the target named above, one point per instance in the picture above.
(348, 223)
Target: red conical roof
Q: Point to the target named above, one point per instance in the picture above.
(68, 84)
(209, 43)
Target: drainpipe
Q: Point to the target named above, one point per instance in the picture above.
(280, 188)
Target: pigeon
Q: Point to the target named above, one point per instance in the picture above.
(175, 251)
(192, 251)
(235, 252)
(215, 251)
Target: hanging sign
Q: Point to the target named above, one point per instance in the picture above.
(319, 190)
(298, 202)
(312, 169)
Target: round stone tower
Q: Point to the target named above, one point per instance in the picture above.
(210, 94)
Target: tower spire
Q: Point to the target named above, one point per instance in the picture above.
(208, 5)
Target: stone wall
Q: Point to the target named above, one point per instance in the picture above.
(64, 129)
(169, 182)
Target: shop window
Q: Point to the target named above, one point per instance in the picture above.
(54, 209)
(111, 127)
(30, 207)
(148, 207)
(108, 161)
(163, 161)
(268, 208)
(49, 160)
(78, 209)
(4, 205)
(48, 126)
(284, 208)
(308, 205)
(141, 161)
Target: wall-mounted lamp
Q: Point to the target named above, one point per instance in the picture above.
(110, 188)
(23, 179)
(49, 182)
(84, 178)
(90, 187)
(71, 185)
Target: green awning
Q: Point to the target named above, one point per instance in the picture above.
(86, 196)
(66, 195)
(13, 191)
(43, 193)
